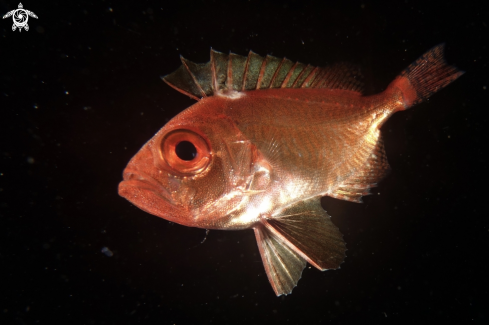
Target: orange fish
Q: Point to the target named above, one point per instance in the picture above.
(265, 141)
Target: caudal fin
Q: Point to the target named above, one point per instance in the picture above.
(425, 76)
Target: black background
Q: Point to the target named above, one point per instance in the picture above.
(81, 92)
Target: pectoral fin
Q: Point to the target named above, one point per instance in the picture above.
(300, 232)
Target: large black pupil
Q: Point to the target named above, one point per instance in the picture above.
(186, 150)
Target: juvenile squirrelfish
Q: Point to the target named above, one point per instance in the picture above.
(265, 141)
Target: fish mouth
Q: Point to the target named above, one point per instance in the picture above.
(151, 196)
(135, 182)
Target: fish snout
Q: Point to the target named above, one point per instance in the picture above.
(135, 181)
(148, 194)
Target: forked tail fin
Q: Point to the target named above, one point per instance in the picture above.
(425, 76)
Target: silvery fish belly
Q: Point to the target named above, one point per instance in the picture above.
(266, 139)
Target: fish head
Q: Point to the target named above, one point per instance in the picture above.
(195, 171)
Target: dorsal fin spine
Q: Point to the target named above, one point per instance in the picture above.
(202, 92)
(215, 86)
(246, 71)
(229, 80)
(325, 79)
(288, 76)
(181, 90)
(262, 72)
(276, 72)
(310, 78)
(295, 85)
(333, 79)
(319, 79)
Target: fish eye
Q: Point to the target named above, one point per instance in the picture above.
(185, 152)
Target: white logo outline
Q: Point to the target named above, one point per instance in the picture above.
(20, 17)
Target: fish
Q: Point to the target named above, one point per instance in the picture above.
(266, 139)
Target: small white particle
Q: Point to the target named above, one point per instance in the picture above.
(107, 252)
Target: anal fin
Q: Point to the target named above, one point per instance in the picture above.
(375, 168)
(299, 233)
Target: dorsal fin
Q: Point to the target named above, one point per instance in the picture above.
(239, 73)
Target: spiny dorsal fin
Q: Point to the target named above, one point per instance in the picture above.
(376, 168)
(239, 73)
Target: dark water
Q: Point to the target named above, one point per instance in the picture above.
(81, 93)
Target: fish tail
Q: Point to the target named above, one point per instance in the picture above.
(425, 76)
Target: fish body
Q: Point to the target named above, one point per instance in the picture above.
(265, 141)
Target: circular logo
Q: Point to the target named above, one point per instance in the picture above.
(20, 18)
